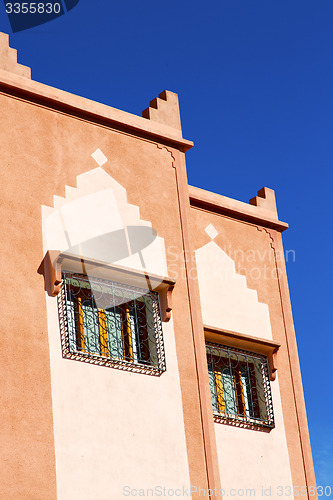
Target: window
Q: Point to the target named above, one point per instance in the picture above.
(110, 323)
(239, 386)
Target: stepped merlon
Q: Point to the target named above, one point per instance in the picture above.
(8, 59)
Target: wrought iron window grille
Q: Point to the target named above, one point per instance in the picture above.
(110, 324)
(240, 387)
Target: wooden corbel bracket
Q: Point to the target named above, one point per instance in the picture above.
(165, 294)
(50, 268)
(272, 363)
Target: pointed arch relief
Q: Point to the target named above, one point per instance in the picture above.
(95, 231)
(226, 300)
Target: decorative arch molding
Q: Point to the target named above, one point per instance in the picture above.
(227, 301)
(94, 230)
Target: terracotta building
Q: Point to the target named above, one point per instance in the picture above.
(147, 339)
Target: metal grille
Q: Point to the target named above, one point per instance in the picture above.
(111, 324)
(239, 386)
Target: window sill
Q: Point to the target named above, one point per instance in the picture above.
(242, 422)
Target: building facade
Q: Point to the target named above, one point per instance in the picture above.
(148, 346)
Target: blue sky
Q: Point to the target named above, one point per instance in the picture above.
(255, 81)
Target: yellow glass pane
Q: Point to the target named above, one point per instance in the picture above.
(81, 324)
(126, 334)
(130, 344)
(219, 391)
(103, 332)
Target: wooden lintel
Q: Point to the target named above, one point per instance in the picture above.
(55, 262)
(267, 347)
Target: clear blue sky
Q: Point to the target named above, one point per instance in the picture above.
(255, 81)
